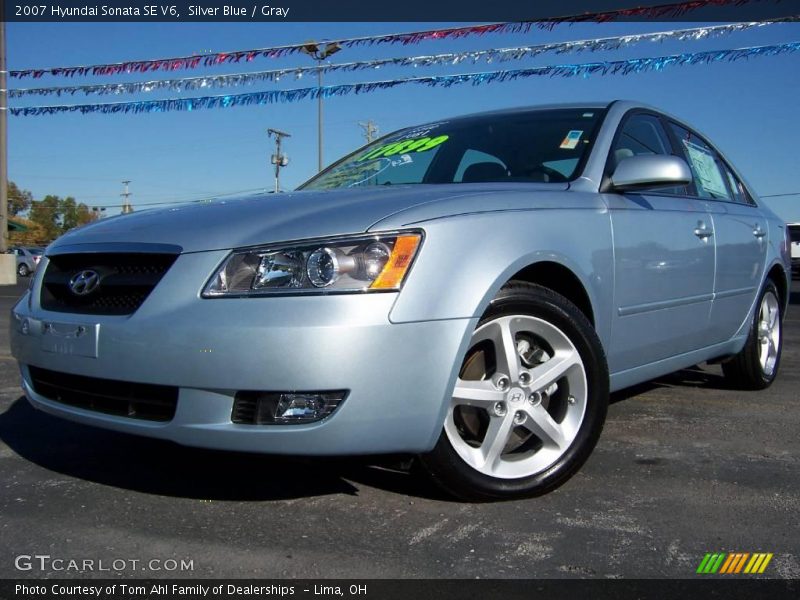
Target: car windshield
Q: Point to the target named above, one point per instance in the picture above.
(35, 251)
(544, 146)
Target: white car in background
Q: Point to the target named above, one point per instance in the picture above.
(794, 231)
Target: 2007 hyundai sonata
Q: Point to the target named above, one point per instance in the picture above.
(468, 291)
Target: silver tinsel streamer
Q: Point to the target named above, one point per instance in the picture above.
(672, 10)
(619, 67)
(496, 55)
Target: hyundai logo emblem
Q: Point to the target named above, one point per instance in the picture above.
(84, 282)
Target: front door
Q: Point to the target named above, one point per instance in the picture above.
(663, 277)
(663, 258)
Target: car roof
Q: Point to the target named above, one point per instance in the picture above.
(538, 107)
(519, 110)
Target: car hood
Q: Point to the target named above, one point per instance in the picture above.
(269, 218)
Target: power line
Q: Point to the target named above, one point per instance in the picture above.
(202, 199)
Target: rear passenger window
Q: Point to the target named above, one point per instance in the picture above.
(643, 134)
(740, 194)
(709, 178)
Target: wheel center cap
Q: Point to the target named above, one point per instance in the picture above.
(516, 395)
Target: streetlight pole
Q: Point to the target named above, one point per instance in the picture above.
(320, 132)
(319, 52)
(8, 262)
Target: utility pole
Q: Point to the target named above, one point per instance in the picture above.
(278, 159)
(8, 262)
(3, 134)
(370, 130)
(126, 205)
(319, 52)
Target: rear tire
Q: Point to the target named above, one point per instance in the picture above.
(529, 402)
(756, 366)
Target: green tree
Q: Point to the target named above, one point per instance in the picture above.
(85, 215)
(18, 200)
(46, 213)
(74, 214)
(69, 213)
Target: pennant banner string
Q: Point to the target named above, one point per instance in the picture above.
(488, 56)
(623, 67)
(194, 61)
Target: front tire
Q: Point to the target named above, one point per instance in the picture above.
(529, 402)
(756, 366)
(23, 270)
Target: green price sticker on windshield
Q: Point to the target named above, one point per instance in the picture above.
(413, 145)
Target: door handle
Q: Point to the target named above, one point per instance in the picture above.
(703, 233)
(758, 232)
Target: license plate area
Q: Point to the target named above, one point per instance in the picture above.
(76, 339)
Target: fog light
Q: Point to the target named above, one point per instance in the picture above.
(276, 408)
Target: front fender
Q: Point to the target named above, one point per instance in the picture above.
(467, 258)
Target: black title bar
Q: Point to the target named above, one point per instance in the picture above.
(277, 11)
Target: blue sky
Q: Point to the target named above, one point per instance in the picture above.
(748, 108)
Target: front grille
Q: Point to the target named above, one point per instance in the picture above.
(126, 279)
(122, 398)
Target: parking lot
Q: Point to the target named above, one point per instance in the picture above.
(684, 467)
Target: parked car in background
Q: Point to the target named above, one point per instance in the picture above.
(28, 258)
(468, 291)
(794, 231)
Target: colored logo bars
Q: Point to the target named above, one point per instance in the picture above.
(734, 563)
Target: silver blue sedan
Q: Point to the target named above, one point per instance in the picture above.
(468, 291)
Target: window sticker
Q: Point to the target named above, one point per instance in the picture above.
(421, 131)
(572, 139)
(422, 144)
(706, 170)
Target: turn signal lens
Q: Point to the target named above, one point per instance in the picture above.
(405, 248)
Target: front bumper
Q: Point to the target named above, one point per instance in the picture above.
(398, 376)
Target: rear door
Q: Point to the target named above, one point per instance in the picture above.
(740, 230)
(663, 258)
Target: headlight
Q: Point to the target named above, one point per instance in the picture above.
(353, 264)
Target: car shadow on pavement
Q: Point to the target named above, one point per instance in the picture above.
(159, 467)
(693, 377)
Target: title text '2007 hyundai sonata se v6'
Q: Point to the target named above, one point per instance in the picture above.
(468, 291)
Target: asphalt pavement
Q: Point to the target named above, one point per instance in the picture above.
(684, 467)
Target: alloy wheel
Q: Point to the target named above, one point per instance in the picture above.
(520, 398)
(769, 333)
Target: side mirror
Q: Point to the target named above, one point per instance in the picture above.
(648, 171)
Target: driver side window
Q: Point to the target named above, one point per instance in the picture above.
(643, 134)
